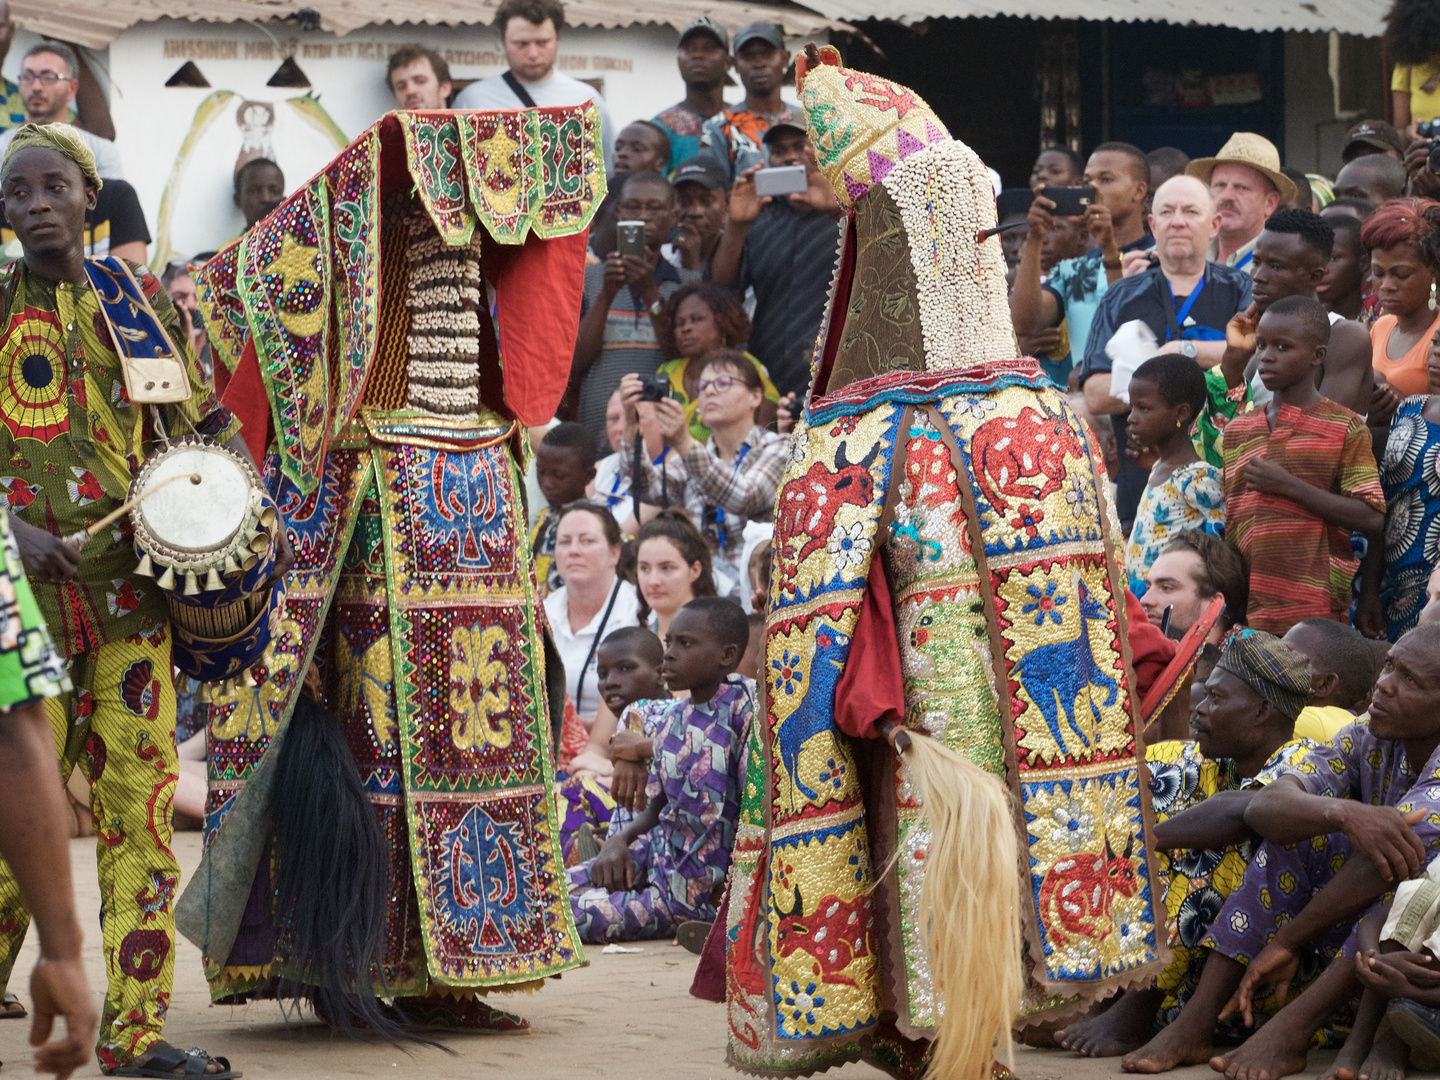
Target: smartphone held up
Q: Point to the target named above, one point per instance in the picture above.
(780, 180)
(631, 238)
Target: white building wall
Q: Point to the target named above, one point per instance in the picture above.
(635, 67)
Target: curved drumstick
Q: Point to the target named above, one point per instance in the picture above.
(79, 539)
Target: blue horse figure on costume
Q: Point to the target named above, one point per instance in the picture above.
(1055, 674)
(816, 710)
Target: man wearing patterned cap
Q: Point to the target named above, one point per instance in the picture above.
(1372, 791)
(1242, 737)
(71, 439)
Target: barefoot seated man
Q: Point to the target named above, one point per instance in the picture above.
(1372, 790)
(1242, 729)
(1395, 956)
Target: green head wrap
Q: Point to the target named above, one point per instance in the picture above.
(1271, 668)
(61, 138)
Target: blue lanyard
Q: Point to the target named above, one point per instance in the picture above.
(615, 495)
(1244, 261)
(1184, 312)
(720, 510)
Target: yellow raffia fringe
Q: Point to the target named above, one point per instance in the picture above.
(969, 909)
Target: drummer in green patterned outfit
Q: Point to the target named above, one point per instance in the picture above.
(70, 443)
(33, 835)
(1243, 731)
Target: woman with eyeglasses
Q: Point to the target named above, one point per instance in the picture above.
(731, 477)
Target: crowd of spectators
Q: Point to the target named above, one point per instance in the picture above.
(1256, 349)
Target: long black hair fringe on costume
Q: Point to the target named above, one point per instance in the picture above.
(331, 880)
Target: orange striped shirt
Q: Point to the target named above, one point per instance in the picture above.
(1300, 566)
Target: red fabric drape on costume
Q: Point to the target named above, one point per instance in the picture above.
(872, 689)
(538, 288)
(1150, 650)
(244, 395)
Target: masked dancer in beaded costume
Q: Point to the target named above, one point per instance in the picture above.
(360, 323)
(946, 672)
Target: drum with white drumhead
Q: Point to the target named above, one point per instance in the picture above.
(205, 531)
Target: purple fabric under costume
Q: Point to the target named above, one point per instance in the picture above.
(1281, 879)
(696, 770)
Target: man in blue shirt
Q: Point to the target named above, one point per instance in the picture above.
(1070, 294)
(1184, 299)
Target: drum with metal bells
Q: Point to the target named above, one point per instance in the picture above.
(207, 536)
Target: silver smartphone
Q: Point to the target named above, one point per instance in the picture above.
(780, 180)
(630, 236)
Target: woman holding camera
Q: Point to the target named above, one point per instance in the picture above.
(729, 479)
(698, 319)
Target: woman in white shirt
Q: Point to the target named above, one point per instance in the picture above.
(594, 600)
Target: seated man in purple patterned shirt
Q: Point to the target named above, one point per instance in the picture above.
(1375, 789)
(663, 868)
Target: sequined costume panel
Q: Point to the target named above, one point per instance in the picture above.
(472, 720)
(1037, 489)
(945, 654)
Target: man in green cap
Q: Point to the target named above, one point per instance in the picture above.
(72, 439)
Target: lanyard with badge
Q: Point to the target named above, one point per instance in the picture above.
(720, 510)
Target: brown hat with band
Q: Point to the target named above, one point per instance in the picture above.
(1256, 152)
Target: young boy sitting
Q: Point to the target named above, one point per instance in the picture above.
(627, 668)
(663, 867)
(564, 467)
(1300, 477)
(1343, 668)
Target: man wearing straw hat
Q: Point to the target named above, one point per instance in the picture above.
(73, 430)
(1247, 186)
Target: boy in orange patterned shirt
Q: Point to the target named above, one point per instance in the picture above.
(1300, 477)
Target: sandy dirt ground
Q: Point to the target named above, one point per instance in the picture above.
(626, 1017)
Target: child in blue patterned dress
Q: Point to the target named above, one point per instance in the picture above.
(664, 866)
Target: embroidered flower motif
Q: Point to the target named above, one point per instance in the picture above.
(802, 1003)
(846, 425)
(800, 445)
(1029, 519)
(1046, 603)
(976, 407)
(787, 672)
(850, 547)
(1079, 497)
(833, 773)
(1075, 826)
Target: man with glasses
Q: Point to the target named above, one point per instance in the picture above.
(49, 83)
(623, 295)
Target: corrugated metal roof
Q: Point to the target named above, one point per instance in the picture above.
(1363, 17)
(97, 24)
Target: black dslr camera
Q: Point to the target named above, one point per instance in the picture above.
(655, 387)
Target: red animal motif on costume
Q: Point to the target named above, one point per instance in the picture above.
(18, 491)
(1034, 443)
(808, 504)
(833, 935)
(1078, 891)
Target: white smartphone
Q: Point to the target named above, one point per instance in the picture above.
(780, 180)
